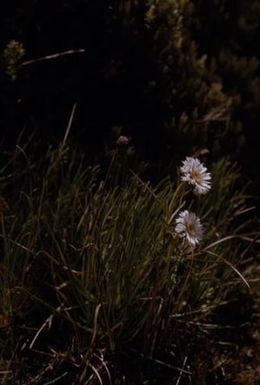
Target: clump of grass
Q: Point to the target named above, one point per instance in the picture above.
(93, 271)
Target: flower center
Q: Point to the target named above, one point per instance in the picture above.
(196, 176)
(190, 229)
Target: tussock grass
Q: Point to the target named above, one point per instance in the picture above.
(93, 272)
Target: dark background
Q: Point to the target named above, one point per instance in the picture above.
(134, 77)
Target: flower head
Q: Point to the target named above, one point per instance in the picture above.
(196, 174)
(188, 226)
(122, 140)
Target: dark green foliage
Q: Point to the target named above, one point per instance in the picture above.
(92, 269)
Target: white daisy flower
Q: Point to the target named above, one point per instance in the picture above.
(188, 226)
(196, 174)
(122, 140)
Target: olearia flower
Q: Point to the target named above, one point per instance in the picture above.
(196, 174)
(188, 227)
(122, 140)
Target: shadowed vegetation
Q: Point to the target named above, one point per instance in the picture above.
(94, 275)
